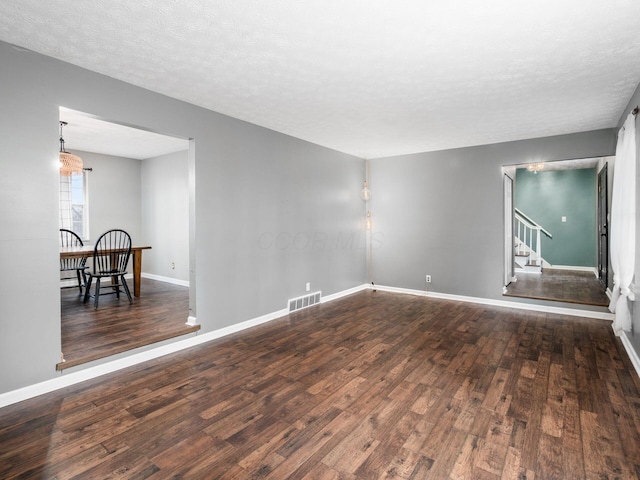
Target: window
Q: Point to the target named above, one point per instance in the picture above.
(74, 214)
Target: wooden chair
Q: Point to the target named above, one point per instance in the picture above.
(71, 239)
(110, 258)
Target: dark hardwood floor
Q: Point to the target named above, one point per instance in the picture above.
(569, 286)
(375, 385)
(116, 326)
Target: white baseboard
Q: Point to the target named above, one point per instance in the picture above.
(344, 293)
(633, 355)
(185, 283)
(522, 270)
(503, 303)
(593, 270)
(65, 380)
(160, 278)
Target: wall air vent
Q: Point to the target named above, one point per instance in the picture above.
(304, 301)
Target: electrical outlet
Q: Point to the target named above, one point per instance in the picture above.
(308, 287)
(428, 278)
(173, 265)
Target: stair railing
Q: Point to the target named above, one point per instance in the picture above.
(528, 232)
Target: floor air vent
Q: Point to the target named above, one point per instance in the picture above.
(304, 301)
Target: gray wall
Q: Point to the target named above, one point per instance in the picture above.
(441, 213)
(271, 212)
(114, 194)
(165, 215)
(149, 199)
(249, 181)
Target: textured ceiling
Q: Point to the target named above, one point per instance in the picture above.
(371, 78)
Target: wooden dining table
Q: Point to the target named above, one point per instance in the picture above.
(88, 250)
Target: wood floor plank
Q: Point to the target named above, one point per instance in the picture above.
(466, 459)
(317, 447)
(571, 286)
(375, 385)
(116, 326)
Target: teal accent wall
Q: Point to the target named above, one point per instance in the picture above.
(548, 196)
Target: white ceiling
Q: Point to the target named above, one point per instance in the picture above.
(367, 77)
(85, 132)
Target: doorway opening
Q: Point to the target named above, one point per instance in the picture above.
(557, 231)
(142, 182)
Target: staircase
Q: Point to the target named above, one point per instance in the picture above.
(528, 245)
(526, 260)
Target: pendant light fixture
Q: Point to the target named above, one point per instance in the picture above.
(69, 163)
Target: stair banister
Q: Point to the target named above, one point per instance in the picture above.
(538, 246)
(532, 222)
(526, 227)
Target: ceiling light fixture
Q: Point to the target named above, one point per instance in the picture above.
(535, 167)
(69, 163)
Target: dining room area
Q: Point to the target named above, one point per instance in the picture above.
(124, 239)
